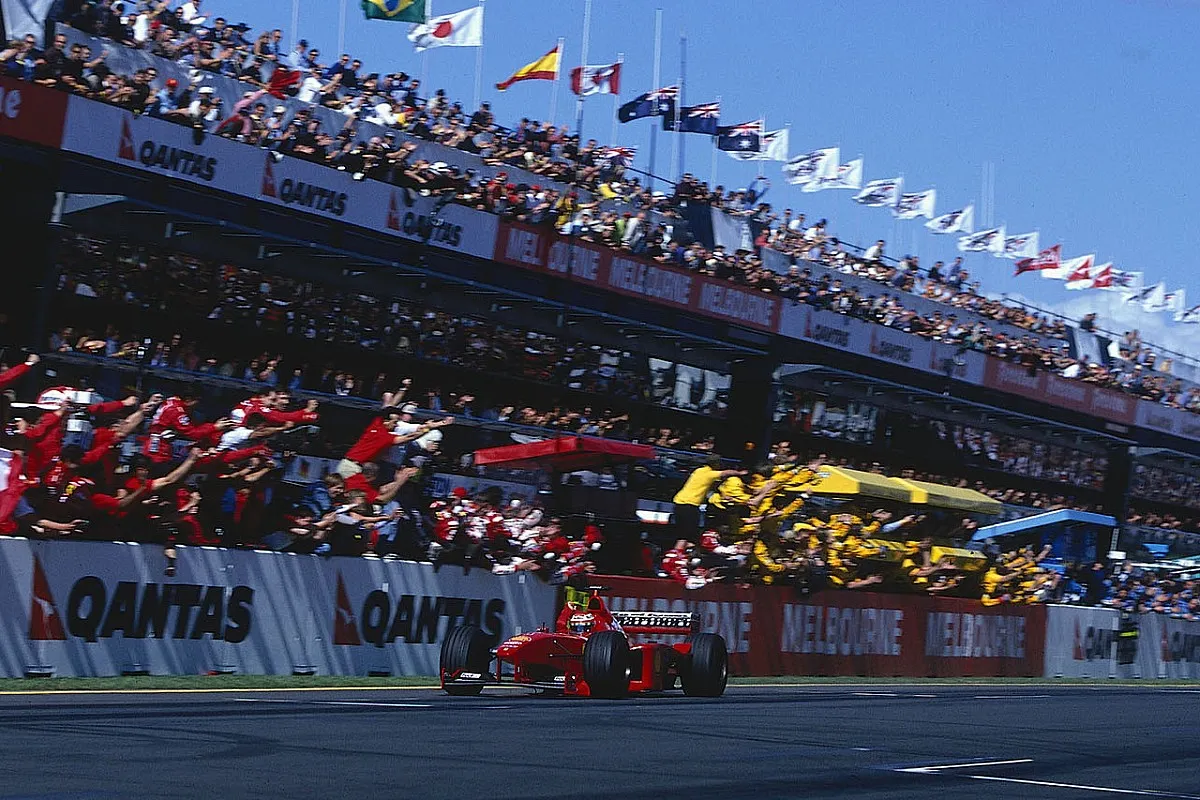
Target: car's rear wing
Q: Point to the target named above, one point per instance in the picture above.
(661, 623)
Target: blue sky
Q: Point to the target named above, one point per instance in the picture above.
(1087, 109)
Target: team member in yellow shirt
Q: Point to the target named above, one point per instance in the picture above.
(694, 493)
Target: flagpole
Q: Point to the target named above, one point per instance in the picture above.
(583, 60)
(342, 29)
(557, 77)
(479, 65)
(425, 55)
(682, 75)
(295, 22)
(612, 140)
(658, 14)
(712, 177)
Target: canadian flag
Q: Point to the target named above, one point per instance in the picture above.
(596, 80)
(464, 29)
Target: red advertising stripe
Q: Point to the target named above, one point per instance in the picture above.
(1007, 376)
(772, 631)
(32, 113)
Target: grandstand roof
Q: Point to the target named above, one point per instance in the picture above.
(1026, 524)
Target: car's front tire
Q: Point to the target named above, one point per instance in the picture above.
(465, 649)
(707, 671)
(606, 664)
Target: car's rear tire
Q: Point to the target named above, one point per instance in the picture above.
(465, 649)
(606, 664)
(707, 670)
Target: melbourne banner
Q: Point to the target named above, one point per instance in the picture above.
(97, 608)
(31, 113)
(772, 631)
(174, 151)
(544, 251)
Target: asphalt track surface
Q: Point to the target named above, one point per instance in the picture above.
(873, 741)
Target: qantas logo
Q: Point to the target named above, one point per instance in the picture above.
(152, 155)
(45, 623)
(293, 192)
(411, 619)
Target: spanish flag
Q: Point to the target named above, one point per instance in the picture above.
(544, 69)
(396, 10)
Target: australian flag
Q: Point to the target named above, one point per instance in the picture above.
(744, 138)
(659, 103)
(696, 119)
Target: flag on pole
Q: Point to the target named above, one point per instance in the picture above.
(744, 138)
(1065, 269)
(1024, 245)
(881, 193)
(916, 204)
(1050, 258)
(1166, 301)
(395, 10)
(812, 166)
(586, 81)
(774, 148)
(616, 156)
(659, 103)
(696, 119)
(849, 176)
(1190, 317)
(989, 241)
(961, 221)
(463, 29)
(544, 69)
(1150, 295)
(1119, 280)
(1083, 274)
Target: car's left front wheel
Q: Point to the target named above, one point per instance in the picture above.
(465, 653)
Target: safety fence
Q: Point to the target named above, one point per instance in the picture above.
(98, 608)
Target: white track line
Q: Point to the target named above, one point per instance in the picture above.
(936, 768)
(1086, 788)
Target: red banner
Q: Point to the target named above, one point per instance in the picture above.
(773, 631)
(32, 113)
(543, 250)
(1048, 387)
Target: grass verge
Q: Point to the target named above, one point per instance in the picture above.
(186, 683)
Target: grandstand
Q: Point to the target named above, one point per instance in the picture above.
(398, 289)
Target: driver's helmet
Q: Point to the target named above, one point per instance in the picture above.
(582, 624)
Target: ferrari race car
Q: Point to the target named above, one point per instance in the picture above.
(589, 653)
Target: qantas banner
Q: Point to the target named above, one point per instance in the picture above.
(84, 609)
(851, 335)
(31, 113)
(150, 145)
(1106, 643)
(771, 631)
(545, 251)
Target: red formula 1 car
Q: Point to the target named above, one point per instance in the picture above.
(589, 654)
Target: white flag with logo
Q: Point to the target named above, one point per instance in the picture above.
(1120, 280)
(882, 193)
(1087, 275)
(849, 176)
(815, 166)
(1024, 245)
(464, 29)
(774, 148)
(1190, 317)
(989, 241)
(1149, 296)
(916, 204)
(1167, 301)
(961, 221)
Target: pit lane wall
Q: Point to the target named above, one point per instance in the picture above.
(97, 608)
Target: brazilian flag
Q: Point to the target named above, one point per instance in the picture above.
(396, 10)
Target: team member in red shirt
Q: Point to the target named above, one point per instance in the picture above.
(46, 436)
(173, 419)
(270, 405)
(11, 376)
(376, 440)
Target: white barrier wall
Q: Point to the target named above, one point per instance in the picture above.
(1095, 643)
(84, 609)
